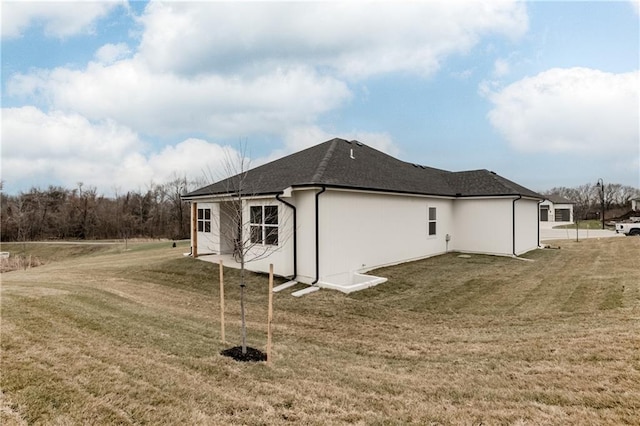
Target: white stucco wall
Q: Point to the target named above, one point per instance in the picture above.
(526, 225)
(226, 227)
(486, 226)
(362, 231)
(260, 256)
(483, 226)
(304, 200)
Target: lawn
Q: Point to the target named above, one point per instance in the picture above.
(586, 224)
(132, 337)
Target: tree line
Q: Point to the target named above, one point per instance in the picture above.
(158, 212)
(588, 199)
(83, 214)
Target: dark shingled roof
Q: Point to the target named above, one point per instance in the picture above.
(350, 164)
(558, 199)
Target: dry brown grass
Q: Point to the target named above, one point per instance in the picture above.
(134, 338)
(13, 263)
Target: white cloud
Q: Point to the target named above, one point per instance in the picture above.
(167, 104)
(235, 69)
(501, 68)
(60, 147)
(198, 159)
(305, 136)
(58, 19)
(390, 36)
(218, 70)
(577, 110)
(463, 75)
(41, 148)
(301, 137)
(29, 132)
(110, 53)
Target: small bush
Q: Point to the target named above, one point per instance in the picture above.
(14, 263)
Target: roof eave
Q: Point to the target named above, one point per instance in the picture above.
(227, 195)
(369, 189)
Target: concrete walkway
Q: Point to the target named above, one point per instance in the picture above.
(548, 233)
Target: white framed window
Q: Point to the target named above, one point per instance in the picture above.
(263, 224)
(204, 220)
(431, 221)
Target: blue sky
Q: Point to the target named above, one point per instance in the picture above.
(118, 95)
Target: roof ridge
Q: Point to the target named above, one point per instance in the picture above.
(329, 163)
(322, 166)
(511, 185)
(501, 181)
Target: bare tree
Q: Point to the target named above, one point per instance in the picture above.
(172, 191)
(83, 213)
(623, 194)
(252, 231)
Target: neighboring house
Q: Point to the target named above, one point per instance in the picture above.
(556, 209)
(333, 211)
(635, 204)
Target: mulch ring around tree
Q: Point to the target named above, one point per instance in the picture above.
(252, 355)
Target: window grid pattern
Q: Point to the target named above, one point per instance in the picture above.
(264, 225)
(432, 221)
(204, 220)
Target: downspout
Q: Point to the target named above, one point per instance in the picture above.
(324, 188)
(295, 236)
(514, 224)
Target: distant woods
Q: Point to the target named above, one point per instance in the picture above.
(81, 214)
(588, 199)
(158, 212)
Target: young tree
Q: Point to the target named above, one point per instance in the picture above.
(253, 232)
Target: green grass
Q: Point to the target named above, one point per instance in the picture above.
(585, 224)
(130, 337)
(56, 251)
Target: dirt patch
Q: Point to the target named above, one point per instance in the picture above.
(252, 355)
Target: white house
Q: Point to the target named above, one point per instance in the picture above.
(329, 213)
(635, 204)
(556, 209)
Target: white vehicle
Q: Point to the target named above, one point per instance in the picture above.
(629, 228)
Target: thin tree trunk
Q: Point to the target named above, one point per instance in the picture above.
(244, 324)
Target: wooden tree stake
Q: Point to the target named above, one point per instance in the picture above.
(270, 314)
(222, 302)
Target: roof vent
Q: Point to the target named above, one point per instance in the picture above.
(349, 142)
(359, 143)
(492, 172)
(422, 167)
(415, 165)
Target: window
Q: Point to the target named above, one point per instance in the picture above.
(204, 220)
(264, 225)
(432, 221)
